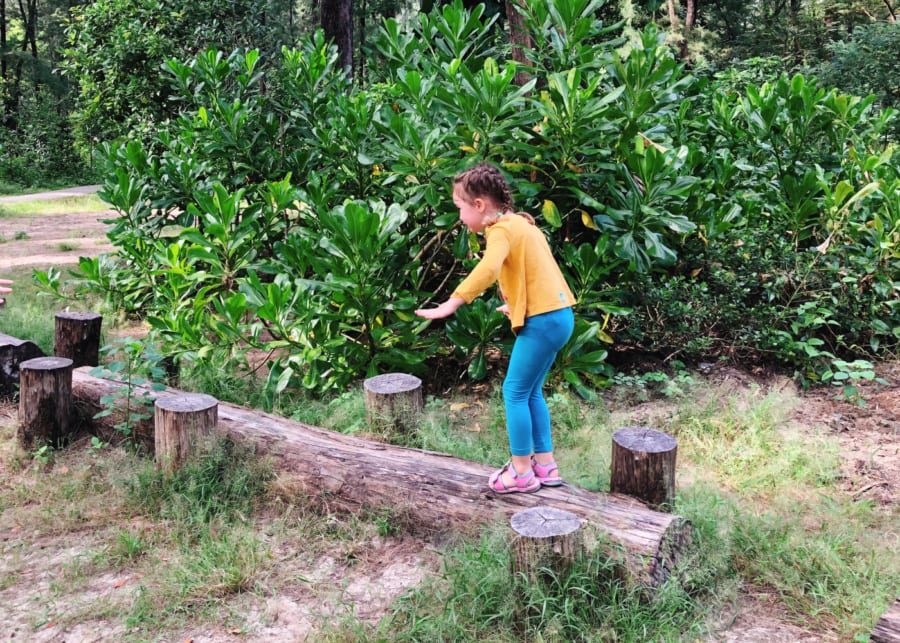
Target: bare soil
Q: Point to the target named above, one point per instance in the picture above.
(365, 580)
(52, 241)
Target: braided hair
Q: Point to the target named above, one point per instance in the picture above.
(486, 181)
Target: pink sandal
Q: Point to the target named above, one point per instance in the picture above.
(524, 483)
(547, 474)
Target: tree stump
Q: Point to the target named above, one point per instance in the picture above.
(45, 402)
(887, 629)
(643, 465)
(546, 538)
(14, 351)
(182, 424)
(78, 338)
(393, 401)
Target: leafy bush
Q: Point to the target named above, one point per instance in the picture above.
(291, 211)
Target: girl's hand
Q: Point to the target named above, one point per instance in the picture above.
(444, 310)
(504, 309)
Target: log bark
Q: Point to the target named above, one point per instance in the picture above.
(545, 538)
(77, 336)
(433, 491)
(14, 351)
(887, 629)
(183, 423)
(393, 402)
(643, 465)
(45, 402)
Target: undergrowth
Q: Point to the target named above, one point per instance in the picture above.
(767, 513)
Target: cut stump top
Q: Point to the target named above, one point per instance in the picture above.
(187, 403)
(544, 522)
(76, 316)
(644, 440)
(45, 363)
(392, 383)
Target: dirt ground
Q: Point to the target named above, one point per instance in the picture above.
(869, 439)
(50, 241)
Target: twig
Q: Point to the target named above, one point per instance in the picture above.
(867, 487)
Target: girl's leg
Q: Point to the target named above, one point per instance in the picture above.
(556, 329)
(527, 416)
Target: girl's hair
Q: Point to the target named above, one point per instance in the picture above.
(486, 181)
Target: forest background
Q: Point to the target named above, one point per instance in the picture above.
(718, 179)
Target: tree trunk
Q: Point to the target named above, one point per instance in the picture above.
(690, 17)
(3, 66)
(545, 538)
(45, 402)
(393, 402)
(14, 351)
(182, 424)
(643, 465)
(519, 39)
(432, 491)
(336, 17)
(77, 336)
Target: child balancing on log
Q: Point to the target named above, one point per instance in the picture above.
(539, 307)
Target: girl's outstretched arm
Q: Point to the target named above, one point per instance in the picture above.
(444, 310)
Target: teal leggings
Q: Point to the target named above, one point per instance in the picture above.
(527, 416)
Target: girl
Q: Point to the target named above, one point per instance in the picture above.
(539, 306)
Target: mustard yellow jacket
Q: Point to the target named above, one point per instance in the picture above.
(518, 256)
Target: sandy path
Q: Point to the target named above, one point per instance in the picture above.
(44, 240)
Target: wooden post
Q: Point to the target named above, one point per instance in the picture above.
(14, 351)
(546, 538)
(643, 465)
(45, 402)
(393, 400)
(182, 422)
(78, 337)
(887, 629)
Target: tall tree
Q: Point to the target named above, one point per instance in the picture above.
(683, 33)
(336, 18)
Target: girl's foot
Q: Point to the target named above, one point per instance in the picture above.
(513, 482)
(547, 474)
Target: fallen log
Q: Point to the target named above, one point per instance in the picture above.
(14, 351)
(887, 629)
(433, 491)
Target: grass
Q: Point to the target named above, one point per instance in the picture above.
(765, 504)
(41, 207)
(28, 314)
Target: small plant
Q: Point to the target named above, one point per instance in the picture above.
(21, 235)
(127, 547)
(847, 375)
(43, 454)
(67, 247)
(97, 445)
(136, 364)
